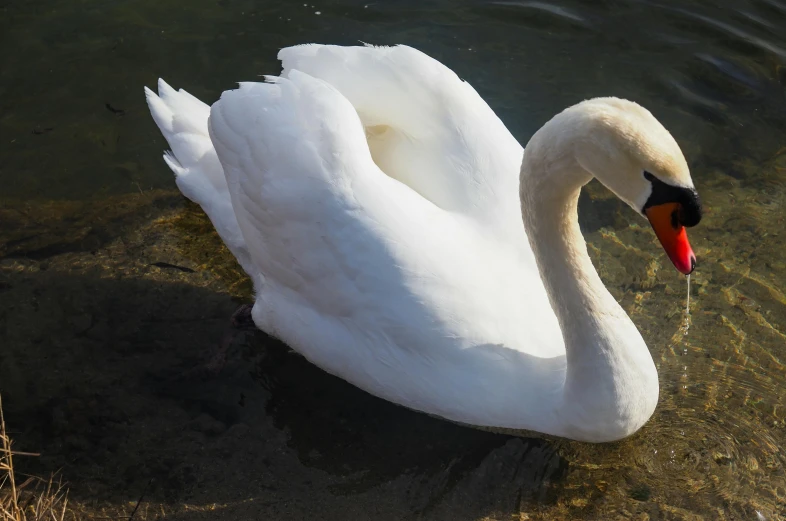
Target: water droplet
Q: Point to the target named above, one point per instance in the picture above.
(686, 317)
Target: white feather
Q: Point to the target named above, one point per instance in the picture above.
(373, 197)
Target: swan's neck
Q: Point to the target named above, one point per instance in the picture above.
(611, 382)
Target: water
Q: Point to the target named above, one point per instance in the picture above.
(113, 289)
(686, 316)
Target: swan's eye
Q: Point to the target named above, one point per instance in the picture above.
(687, 198)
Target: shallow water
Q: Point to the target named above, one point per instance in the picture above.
(113, 289)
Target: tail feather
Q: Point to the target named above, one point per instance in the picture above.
(183, 121)
(177, 111)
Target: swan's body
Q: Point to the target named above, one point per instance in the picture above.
(373, 198)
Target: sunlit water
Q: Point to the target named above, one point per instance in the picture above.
(113, 290)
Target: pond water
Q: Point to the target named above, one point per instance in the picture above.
(114, 289)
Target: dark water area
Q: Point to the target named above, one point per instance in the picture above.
(114, 290)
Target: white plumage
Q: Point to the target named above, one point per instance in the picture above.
(373, 198)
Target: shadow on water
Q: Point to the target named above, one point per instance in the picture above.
(360, 433)
(122, 405)
(117, 301)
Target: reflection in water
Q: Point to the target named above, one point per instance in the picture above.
(110, 293)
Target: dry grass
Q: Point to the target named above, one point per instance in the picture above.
(34, 499)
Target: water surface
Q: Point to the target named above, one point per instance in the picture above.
(114, 290)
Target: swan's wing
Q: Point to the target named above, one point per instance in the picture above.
(321, 221)
(182, 119)
(362, 275)
(426, 127)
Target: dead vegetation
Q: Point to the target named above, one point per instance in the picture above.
(34, 499)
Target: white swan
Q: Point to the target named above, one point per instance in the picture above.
(373, 198)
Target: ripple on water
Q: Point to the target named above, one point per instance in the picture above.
(551, 8)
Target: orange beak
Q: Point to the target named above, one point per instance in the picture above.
(664, 219)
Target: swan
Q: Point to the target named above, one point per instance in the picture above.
(400, 238)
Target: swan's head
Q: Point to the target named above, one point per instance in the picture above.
(634, 156)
